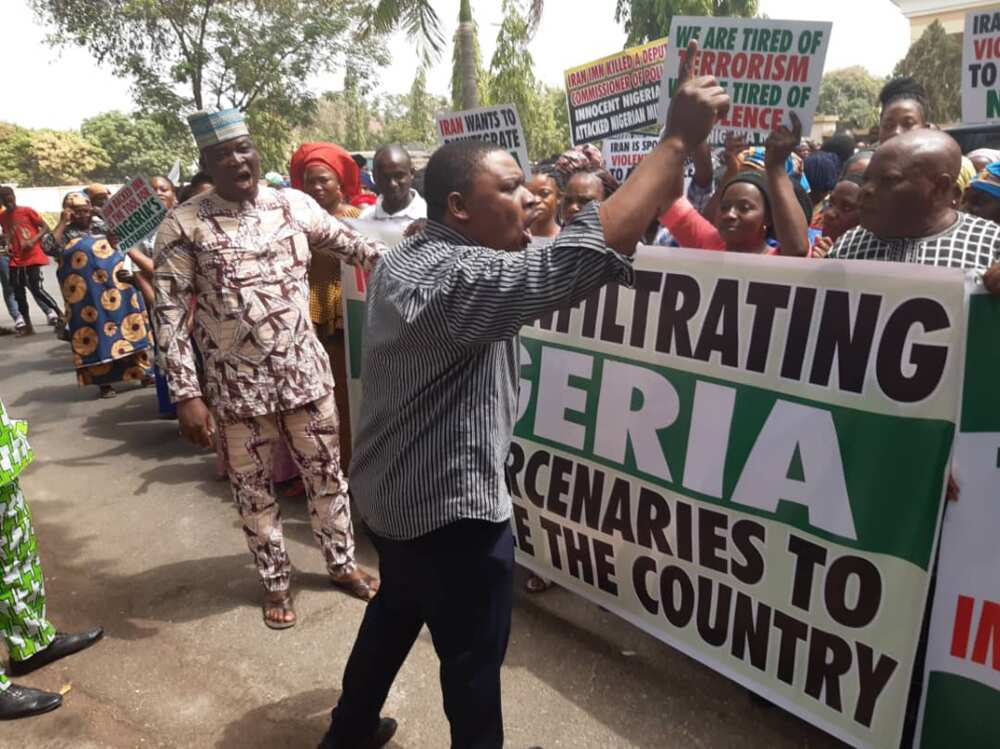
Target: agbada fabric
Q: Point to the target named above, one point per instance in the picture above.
(246, 264)
(22, 591)
(107, 319)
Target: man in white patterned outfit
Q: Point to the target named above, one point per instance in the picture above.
(242, 252)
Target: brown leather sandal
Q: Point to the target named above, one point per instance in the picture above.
(358, 584)
(279, 600)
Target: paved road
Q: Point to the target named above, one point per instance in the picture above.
(137, 535)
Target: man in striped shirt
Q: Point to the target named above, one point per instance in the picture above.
(440, 401)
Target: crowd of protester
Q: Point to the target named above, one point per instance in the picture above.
(234, 310)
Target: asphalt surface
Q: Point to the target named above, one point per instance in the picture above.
(137, 535)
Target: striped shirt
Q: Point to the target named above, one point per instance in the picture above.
(971, 243)
(441, 370)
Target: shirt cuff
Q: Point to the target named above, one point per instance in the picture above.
(681, 208)
(586, 231)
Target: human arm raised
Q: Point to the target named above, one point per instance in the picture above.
(647, 193)
(790, 225)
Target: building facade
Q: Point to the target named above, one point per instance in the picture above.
(951, 13)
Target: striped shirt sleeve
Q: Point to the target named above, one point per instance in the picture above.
(489, 295)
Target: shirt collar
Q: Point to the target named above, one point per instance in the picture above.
(415, 209)
(435, 231)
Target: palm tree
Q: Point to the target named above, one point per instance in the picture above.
(420, 21)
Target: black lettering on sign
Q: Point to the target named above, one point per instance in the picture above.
(710, 543)
(798, 333)
(535, 463)
(683, 529)
(869, 591)
(750, 631)
(618, 515)
(553, 531)
(513, 468)
(767, 298)
(587, 491)
(720, 331)
(673, 330)
(792, 631)
(750, 571)
(646, 282)
(807, 557)
(642, 568)
(872, 678)
(852, 348)
(522, 533)
(829, 659)
(559, 485)
(611, 330)
(652, 521)
(678, 609)
(714, 633)
(926, 360)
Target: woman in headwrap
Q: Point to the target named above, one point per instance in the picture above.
(763, 212)
(108, 328)
(822, 170)
(842, 213)
(983, 196)
(583, 179)
(329, 174)
(983, 157)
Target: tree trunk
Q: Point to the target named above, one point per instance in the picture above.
(467, 53)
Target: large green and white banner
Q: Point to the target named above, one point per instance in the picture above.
(961, 706)
(746, 458)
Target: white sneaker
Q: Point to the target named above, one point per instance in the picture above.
(19, 322)
(52, 318)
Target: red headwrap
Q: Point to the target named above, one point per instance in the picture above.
(332, 156)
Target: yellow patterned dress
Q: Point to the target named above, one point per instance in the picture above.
(107, 319)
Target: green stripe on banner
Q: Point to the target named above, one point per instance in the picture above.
(893, 496)
(956, 708)
(355, 331)
(981, 402)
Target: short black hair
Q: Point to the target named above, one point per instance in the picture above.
(904, 88)
(452, 169)
(360, 160)
(389, 148)
(6, 190)
(841, 145)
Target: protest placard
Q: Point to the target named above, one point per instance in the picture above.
(961, 696)
(133, 212)
(623, 153)
(500, 125)
(980, 60)
(745, 457)
(616, 94)
(769, 68)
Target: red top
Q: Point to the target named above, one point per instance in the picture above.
(20, 225)
(693, 230)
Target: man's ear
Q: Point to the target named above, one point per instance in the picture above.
(457, 207)
(945, 184)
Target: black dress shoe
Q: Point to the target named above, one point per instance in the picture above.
(383, 734)
(23, 702)
(64, 644)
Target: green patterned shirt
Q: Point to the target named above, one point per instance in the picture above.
(15, 453)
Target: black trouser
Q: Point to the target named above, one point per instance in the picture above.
(30, 278)
(459, 582)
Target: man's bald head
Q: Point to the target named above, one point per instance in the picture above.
(932, 151)
(393, 174)
(910, 184)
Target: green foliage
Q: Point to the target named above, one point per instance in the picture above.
(135, 146)
(852, 95)
(62, 157)
(935, 60)
(15, 149)
(646, 20)
(213, 54)
(512, 81)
